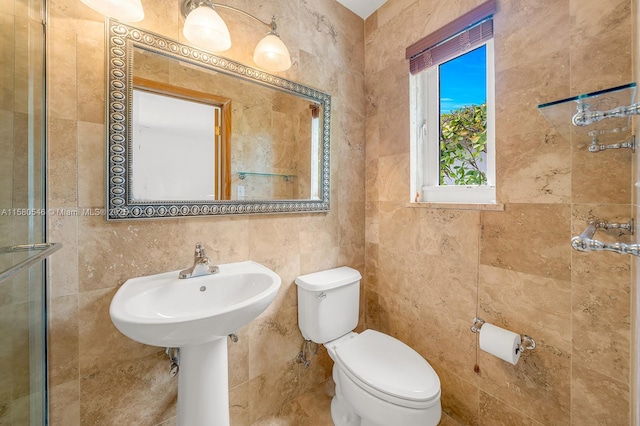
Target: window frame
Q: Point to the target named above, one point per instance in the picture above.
(425, 138)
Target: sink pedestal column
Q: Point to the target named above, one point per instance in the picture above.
(203, 389)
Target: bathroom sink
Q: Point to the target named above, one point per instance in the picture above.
(162, 310)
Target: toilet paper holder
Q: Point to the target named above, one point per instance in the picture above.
(527, 342)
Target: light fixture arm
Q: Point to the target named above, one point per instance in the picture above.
(205, 28)
(190, 5)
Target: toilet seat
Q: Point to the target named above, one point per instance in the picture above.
(388, 369)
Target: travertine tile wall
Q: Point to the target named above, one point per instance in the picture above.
(430, 271)
(635, 279)
(98, 376)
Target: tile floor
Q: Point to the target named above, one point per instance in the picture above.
(313, 408)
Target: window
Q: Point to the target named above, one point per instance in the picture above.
(452, 107)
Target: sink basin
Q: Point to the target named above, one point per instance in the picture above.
(162, 310)
(196, 315)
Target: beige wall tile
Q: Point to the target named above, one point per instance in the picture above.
(153, 247)
(63, 340)
(319, 260)
(597, 399)
(533, 168)
(372, 223)
(20, 371)
(393, 178)
(107, 394)
(6, 357)
(28, 50)
(397, 227)
(316, 374)
(601, 304)
(511, 299)
(522, 29)
(24, 142)
(453, 234)
(238, 358)
(64, 404)
(517, 98)
(63, 151)
(596, 34)
(63, 78)
(351, 224)
(530, 238)
(239, 405)
(63, 269)
(263, 401)
(494, 412)
(6, 162)
(91, 81)
(91, 164)
(275, 334)
(274, 236)
(8, 7)
(7, 53)
(317, 404)
(538, 386)
(63, 13)
(600, 179)
(459, 398)
(319, 231)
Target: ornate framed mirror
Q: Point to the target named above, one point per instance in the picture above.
(194, 134)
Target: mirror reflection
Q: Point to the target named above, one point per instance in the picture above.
(203, 135)
(175, 148)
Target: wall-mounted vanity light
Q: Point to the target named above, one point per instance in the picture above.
(122, 10)
(206, 29)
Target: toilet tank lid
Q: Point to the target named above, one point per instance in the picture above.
(326, 280)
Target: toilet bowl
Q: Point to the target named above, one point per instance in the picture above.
(380, 381)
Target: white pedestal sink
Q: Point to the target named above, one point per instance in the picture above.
(196, 315)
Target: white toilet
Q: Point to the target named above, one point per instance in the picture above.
(380, 381)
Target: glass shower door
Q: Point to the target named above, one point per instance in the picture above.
(22, 249)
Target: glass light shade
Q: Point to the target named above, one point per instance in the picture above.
(206, 29)
(272, 54)
(122, 10)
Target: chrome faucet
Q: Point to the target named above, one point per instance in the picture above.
(201, 265)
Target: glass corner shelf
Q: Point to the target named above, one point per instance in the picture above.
(562, 115)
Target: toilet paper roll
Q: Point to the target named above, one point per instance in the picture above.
(502, 343)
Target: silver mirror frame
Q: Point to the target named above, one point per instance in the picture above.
(121, 39)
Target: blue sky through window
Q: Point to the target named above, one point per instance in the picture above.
(463, 81)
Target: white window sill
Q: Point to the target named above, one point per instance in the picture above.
(458, 197)
(499, 207)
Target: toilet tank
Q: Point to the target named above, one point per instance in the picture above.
(328, 303)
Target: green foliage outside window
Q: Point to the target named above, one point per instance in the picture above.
(463, 146)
